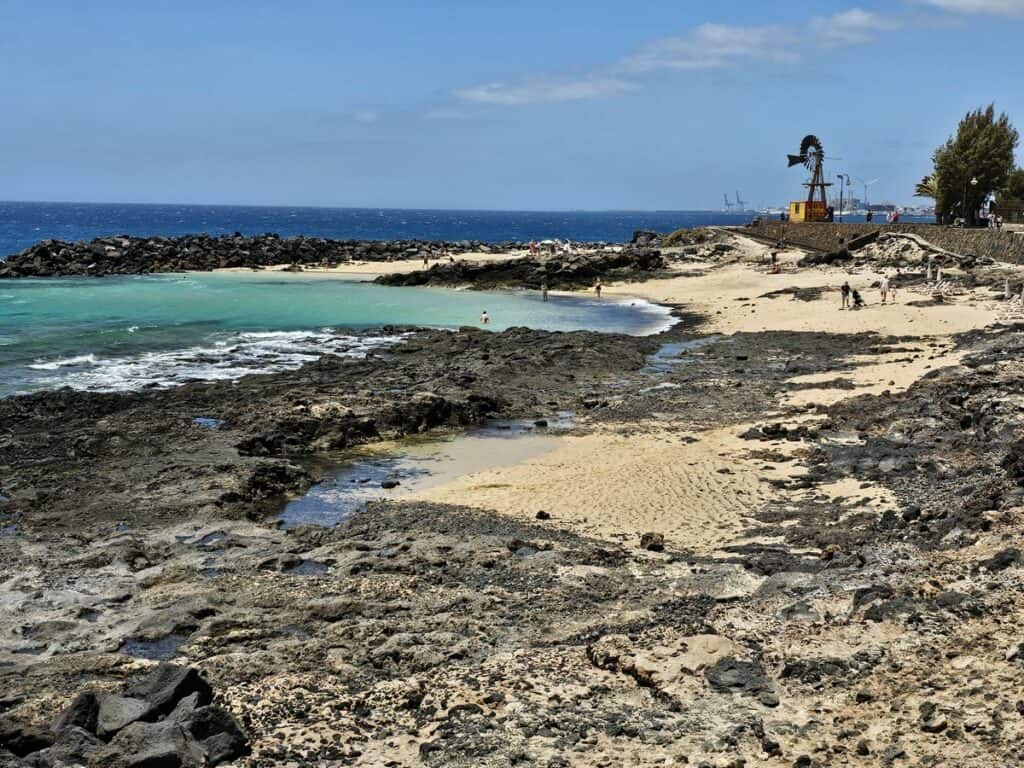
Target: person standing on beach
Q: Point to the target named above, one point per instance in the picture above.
(845, 291)
(883, 288)
(533, 248)
(597, 287)
(544, 291)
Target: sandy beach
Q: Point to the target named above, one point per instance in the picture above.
(774, 530)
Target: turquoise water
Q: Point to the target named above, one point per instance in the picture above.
(125, 333)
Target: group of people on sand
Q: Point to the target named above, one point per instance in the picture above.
(552, 247)
(853, 300)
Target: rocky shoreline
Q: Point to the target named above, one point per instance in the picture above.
(124, 255)
(831, 632)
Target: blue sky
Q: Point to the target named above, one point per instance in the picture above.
(561, 104)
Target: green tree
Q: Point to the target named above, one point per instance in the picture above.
(928, 187)
(982, 149)
(1014, 187)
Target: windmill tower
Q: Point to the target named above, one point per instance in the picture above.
(812, 157)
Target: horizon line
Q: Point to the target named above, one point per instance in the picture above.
(410, 208)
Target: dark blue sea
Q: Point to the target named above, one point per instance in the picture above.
(22, 224)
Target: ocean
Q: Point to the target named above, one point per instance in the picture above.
(22, 224)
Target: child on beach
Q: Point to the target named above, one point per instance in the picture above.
(845, 291)
(858, 302)
(484, 318)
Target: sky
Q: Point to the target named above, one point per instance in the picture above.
(488, 104)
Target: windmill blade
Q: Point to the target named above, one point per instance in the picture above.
(796, 160)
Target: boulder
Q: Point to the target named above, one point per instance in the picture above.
(117, 712)
(81, 713)
(652, 542)
(730, 675)
(154, 745)
(168, 684)
(74, 746)
(22, 740)
(217, 733)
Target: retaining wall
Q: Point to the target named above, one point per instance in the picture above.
(1000, 244)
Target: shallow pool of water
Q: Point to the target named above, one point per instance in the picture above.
(416, 465)
(164, 649)
(672, 354)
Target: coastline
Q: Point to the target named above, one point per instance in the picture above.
(803, 466)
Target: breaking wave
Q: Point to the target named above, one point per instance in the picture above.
(224, 357)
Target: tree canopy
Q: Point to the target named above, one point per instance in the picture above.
(982, 149)
(1014, 187)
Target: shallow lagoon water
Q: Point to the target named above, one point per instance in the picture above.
(126, 333)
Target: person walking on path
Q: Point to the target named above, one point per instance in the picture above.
(845, 291)
(883, 288)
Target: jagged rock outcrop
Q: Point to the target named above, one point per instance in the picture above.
(164, 718)
(558, 272)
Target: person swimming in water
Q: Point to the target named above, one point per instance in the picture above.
(484, 317)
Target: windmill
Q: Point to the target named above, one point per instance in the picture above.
(740, 203)
(866, 185)
(728, 205)
(812, 157)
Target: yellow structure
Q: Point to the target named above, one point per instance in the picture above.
(808, 210)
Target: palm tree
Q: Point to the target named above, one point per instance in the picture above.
(928, 187)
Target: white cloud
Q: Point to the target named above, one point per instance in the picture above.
(996, 7)
(544, 91)
(706, 47)
(852, 27)
(366, 116)
(711, 46)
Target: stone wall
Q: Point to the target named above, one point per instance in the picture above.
(1002, 245)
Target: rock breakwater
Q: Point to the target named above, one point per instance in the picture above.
(124, 255)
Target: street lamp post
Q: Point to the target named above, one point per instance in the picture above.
(963, 206)
(841, 176)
